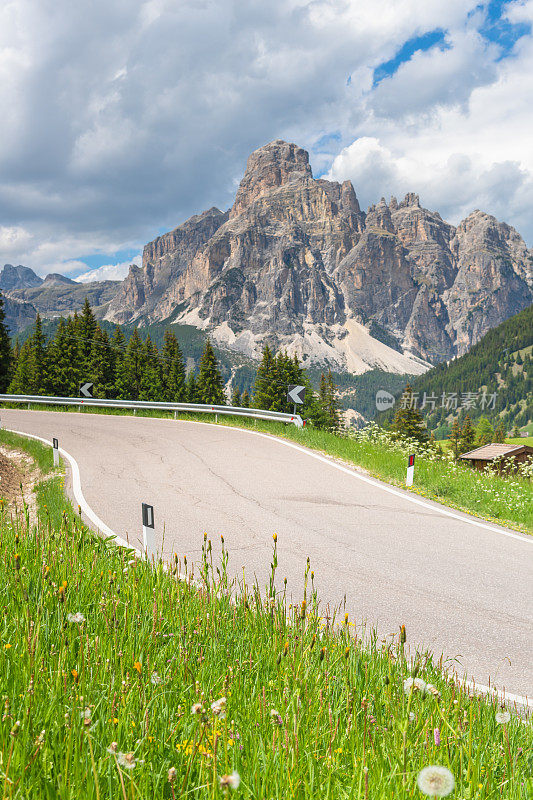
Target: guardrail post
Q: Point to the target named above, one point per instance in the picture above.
(55, 450)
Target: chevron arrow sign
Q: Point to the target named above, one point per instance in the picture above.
(296, 394)
(86, 390)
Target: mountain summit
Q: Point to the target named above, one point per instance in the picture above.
(296, 262)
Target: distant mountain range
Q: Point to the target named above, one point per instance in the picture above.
(297, 263)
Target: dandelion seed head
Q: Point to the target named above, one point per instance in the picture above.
(197, 708)
(436, 781)
(230, 781)
(126, 760)
(502, 717)
(219, 707)
(112, 748)
(414, 684)
(172, 774)
(155, 679)
(77, 617)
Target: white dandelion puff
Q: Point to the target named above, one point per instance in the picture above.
(197, 708)
(436, 781)
(414, 684)
(230, 781)
(219, 707)
(502, 717)
(155, 679)
(77, 617)
(126, 760)
(112, 749)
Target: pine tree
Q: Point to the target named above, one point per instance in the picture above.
(455, 437)
(118, 349)
(319, 416)
(5, 349)
(265, 388)
(74, 368)
(210, 386)
(192, 389)
(86, 328)
(245, 399)
(151, 386)
(408, 420)
(468, 436)
(484, 432)
(20, 383)
(236, 397)
(499, 433)
(38, 360)
(174, 378)
(61, 373)
(101, 365)
(332, 405)
(130, 369)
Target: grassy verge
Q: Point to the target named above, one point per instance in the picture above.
(503, 500)
(104, 660)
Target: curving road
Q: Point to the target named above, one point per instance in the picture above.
(462, 589)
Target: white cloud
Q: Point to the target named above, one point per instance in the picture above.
(472, 153)
(109, 272)
(126, 117)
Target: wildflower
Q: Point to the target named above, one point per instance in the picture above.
(138, 667)
(414, 684)
(74, 674)
(40, 739)
(7, 646)
(172, 774)
(436, 781)
(77, 617)
(15, 728)
(219, 708)
(126, 760)
(156, 679)
(433, 690)
(86, 717)
(403, 635)
(275, 717)
(197, 708)
(112, 749)
(502, 717)
(17, 561)
(230, 781)
(275, 537)
(436, 736)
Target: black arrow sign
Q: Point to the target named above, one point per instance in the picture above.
(296, 394)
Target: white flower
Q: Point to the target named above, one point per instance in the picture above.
(436, 781)
(219, 708)
(112, 749)
(275, 717)
(232, 781)
(416, 684)
(77, 617)
(126, 760)
(502, 717)
(156, 679)
(197, 708)
(433, 689)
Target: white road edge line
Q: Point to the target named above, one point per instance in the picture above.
(78, 494)
(103, 528)
(372, 482)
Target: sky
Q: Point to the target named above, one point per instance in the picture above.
(122, 118)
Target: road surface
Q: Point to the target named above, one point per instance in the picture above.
(460, 589)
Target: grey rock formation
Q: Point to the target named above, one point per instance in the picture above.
(18, 278)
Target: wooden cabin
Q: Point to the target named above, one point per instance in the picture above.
(481, 456)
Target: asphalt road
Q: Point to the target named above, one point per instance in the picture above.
(462, 590)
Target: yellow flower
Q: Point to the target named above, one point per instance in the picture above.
(138, 667)
(7, 646)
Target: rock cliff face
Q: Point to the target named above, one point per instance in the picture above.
(295, 261)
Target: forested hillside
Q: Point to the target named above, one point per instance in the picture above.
(494, 380)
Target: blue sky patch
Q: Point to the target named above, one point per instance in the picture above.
(418, 43)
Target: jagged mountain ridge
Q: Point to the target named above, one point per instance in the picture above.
(297, 262)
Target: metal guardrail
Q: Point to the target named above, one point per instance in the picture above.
(253, 413)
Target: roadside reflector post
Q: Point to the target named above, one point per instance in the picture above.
(410, 470)
(175, 414)
(148, 532)
(55, 450)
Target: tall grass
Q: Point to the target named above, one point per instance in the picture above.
(104, 660)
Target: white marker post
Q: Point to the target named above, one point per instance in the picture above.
(410, 471)
(55, 450)
(148, 532)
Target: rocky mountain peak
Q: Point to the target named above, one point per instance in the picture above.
(379, 216)
(18, 278)
(271, 166)
(410, 199)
